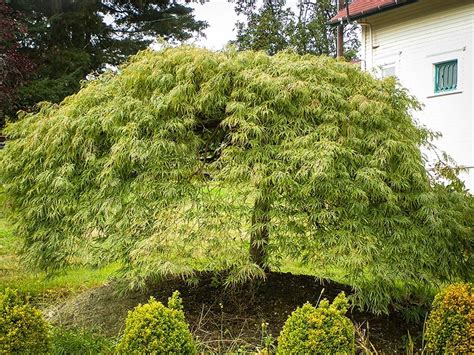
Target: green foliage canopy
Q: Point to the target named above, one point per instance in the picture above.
(270, 29)
(274, 27)
(178, 161)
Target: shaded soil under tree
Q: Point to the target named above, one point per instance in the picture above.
(220, 316)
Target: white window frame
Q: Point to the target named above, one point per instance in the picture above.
(446, 56)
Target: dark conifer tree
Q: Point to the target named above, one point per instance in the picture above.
(69, 39)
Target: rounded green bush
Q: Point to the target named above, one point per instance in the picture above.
(154, 328)
(322, 330)
(22, 327)
(450, 325)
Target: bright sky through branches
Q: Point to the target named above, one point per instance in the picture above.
(221, 17)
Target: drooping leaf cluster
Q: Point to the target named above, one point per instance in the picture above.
(171, 165)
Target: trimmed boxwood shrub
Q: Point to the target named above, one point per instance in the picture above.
(322, 330)
(154, 328)
(22, 327)
(450, 325)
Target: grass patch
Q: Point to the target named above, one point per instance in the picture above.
(296, 267)
(14, 275)
(80, 341)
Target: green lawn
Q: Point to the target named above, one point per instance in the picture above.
(14, 275)
(297, 268)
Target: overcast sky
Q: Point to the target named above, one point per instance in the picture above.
(221, 18)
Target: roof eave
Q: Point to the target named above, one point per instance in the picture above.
(376, 11)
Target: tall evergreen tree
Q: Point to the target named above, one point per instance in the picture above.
(69, 39)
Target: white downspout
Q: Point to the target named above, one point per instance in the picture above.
(371, 41)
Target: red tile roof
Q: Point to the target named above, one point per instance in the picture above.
(363, 8)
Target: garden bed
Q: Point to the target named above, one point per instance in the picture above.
(229, 318)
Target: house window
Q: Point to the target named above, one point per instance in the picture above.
(446, 76)
(388, 70)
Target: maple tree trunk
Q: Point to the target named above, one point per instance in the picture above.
(259, 237)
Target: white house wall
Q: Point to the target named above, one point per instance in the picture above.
(410, 40)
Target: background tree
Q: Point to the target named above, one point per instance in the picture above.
(269, 29)
(15, 66)
(274, 27)
(233, 162)
(69, 39)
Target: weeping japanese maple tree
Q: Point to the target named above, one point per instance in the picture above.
(233, 163)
